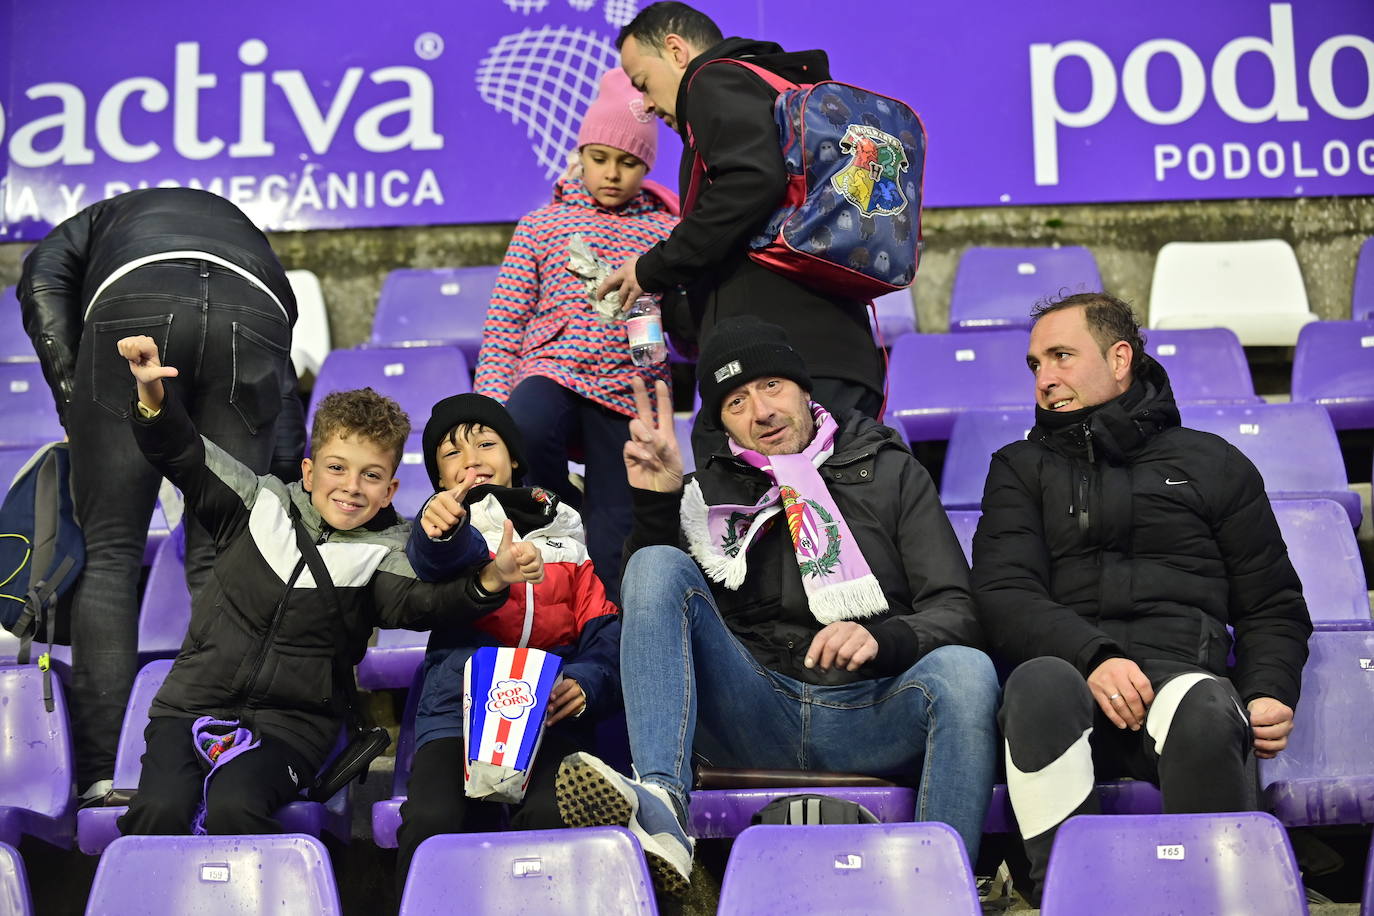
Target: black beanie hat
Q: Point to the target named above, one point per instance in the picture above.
(472, 408)
(739, 350)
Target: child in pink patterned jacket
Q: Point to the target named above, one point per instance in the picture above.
(562, 370)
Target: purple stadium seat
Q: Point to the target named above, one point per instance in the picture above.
(1172, 863)
(965, 523)
(36, 796)
(1125, 796)
(934, 377)
(848, 868)
(391, 662)
(1362, 296)
(1333, 366)
(386, 814)
(1326, 556)
(14, 883)
(975, 436)
(96, 828)
(996, 287)
(415, 487)
(166, 610)
(1205, 365)
(683, 427)
(153, 875)
(549, 872)
(1293, 445)
(15, 346)
(1326, 774)
(896, 315)
(425, 308)
(26, 407)
(414, 377)
(1367, 905)
(724, 813)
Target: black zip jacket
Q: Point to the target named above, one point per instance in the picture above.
(261, 642)
(726, 115)
(894, 514)
(1128, 535)
(64, 270)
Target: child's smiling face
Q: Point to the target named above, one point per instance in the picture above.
(477, 448)
(610, 175)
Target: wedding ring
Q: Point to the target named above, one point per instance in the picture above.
(1115, 696)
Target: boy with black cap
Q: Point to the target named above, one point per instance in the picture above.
(800, 603)
(475, 456)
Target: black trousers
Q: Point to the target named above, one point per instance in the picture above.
(243, 796)
(1196, 745)
(436, 802)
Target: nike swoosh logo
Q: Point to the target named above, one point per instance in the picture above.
(1174, 483)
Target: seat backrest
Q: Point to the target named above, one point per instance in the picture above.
(683, 427)
(1253, 287)
(1323, 550)
(35, 745)
(1293, 445)
(996, 287)
(286, 874)
(405, 741)
(14, 884)
(1204, 364)
(444, 305)
(27, 413)
(848, 868)
(972, 441)
(165, 613)
(129, 751)
(310, 336)
(1330, 737)
(414, 377)
(1334, 360)
(931, 377)
(896, 314)
(415, 487)
(1362, 296)
(549, 872)
(15, 346)
(1132, 865)
(965, 525)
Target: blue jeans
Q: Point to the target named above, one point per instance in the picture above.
(232, 346)
(552, 418)
(689, 683)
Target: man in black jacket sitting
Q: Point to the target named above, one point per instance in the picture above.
(800, 602)
(1115, 549)
(725, 116)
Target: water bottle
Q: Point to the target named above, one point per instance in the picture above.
(644, 325)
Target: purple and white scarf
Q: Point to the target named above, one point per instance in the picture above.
(839, 585)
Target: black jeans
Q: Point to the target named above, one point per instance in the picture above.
(231, 344)
(244, 794)
(436, 803)
(551, 419)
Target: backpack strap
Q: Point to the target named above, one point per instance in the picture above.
(811, 809)
(41, 598)
(698, 176)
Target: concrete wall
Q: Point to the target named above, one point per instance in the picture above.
(1325, 232)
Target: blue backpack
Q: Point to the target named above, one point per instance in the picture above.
(849, 222)
(42, 551)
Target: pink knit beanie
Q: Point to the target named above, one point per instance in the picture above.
(617, 119)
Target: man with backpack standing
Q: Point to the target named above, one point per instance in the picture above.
(190, 270)
(725, 116)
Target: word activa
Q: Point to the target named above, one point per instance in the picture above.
(64, 140)
(1048, 114)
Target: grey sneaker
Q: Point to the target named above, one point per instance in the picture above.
(592, 794)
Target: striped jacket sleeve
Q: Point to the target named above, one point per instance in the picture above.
(513, 303)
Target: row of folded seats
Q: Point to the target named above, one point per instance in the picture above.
(1189, 862)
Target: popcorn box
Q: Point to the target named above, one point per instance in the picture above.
(505, 698)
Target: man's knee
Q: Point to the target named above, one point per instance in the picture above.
(651, 569)
(1046, 697)
(1199, 715)
(963, 680)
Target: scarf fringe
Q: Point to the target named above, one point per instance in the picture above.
(852, 600)
(728, 571)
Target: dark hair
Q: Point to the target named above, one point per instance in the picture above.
(362, 413)
(659, 20)
(1109, 320)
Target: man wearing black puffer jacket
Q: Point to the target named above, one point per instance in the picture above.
(1115, 549)
(725, 115)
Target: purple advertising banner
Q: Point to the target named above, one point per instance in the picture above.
(315, 115)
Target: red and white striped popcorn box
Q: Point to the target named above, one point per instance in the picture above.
(505, 698)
